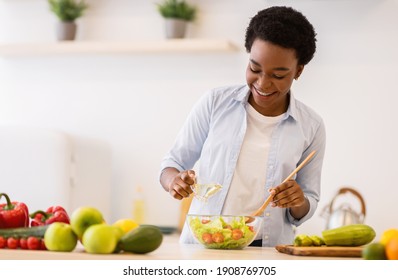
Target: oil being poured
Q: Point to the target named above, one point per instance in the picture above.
(204, 191)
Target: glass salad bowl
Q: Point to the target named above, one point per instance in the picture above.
(224, 231)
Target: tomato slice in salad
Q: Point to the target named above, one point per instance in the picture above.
(237, 234)
(217, 237)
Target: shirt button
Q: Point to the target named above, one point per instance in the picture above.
(271, 167)
(265, 237)
(267, 214)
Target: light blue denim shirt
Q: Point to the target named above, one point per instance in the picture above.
(213, 134)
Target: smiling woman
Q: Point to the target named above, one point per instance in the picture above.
(248, 138)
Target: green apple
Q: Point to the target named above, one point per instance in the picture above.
(60, 237)
(84, 217)
(101, 239)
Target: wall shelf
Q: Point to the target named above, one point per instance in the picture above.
(108, 48)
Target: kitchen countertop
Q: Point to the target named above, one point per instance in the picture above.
(170, 249)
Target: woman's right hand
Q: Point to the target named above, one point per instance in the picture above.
(180, 185)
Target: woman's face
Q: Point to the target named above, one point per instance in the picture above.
(269, 75)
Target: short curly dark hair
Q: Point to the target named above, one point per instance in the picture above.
(285, 27)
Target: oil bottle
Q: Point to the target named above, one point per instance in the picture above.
(139, 206)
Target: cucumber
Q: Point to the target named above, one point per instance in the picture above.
(350, 235)
(141, 240)
(302, 240)
(317, 240)
(24, 232)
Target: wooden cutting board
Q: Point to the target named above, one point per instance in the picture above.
(321, 251)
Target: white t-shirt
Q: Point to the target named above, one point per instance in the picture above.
(247, 191)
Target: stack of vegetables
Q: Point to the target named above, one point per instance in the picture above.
(349, 235)
(19, 229)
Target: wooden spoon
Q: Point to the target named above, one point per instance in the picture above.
(268, 200)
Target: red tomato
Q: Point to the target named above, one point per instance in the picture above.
(3, 242)
(12, 243)
(23, 243)
(42, 245)
(251, 228)
(207, 238)
(204, 221)
(33, 243)
(218, 237)
(237, 234)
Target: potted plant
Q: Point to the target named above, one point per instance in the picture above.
(67, 12)
(177, 14)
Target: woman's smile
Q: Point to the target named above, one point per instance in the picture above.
(263, 93)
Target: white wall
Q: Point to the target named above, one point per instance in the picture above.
(137, 103)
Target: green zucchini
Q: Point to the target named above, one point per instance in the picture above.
(302, 240)
(349, 235)
(317, 240)
(23, 232)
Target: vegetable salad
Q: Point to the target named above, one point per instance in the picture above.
(218, 234)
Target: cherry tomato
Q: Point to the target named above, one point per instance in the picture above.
(237, 234)
(12, 243)
(42, 245)
(218, 237)
(251, 228)
(33, 243)
(23, 243)
(205, 221)
(207, 238)
(3, 242)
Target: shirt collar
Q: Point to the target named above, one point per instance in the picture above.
(242, 95)
(292, 109)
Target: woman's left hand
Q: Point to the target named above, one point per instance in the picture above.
(290, 195)
(287, 195)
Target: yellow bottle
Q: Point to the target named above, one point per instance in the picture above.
(139, 206)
